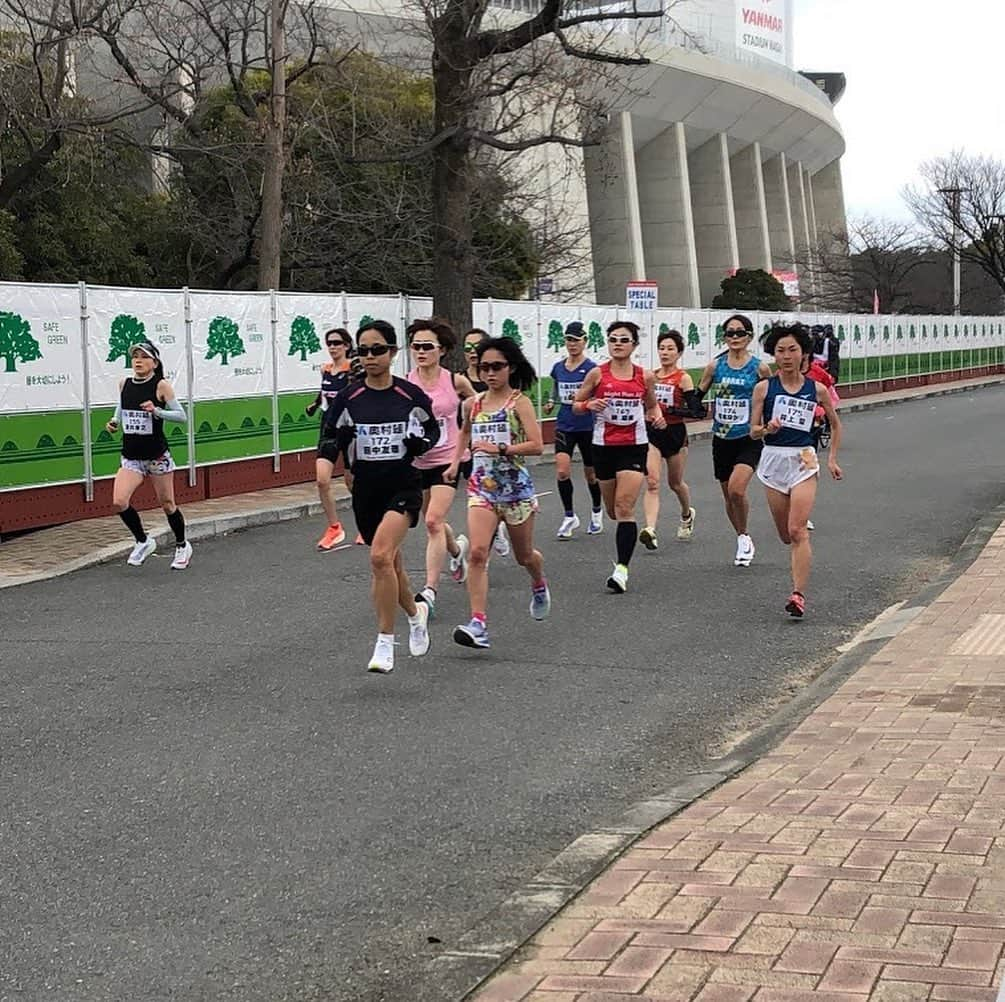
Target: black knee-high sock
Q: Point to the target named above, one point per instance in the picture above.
(565, 493)
(132, 519)
(595, 495)
(177, 522)
(626, 536)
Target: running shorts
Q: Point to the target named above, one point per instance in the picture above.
(610, 460)
(328, 448)
(510, 512)
(150, 467)
(433, 477)
(782, 467)
(728, 453)
(669, 440)
(568, 441)
(372, 501)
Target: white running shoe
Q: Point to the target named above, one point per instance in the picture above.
(182, 556)
(569, 525)
(141, 551)
(809, 525)
(427, 597)
(596, 523)
(686, 527)
(459, 564)
(618, 581)
(418, 631)
(540, 602)
(382, 661)
(744, 551)
(500, 542)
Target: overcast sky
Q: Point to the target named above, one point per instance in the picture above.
(924, 77)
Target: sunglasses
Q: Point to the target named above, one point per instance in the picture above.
(337, 344)
(373, 349)
(615, 339)
(424, 346)
(737, 332)
(492, 366)
(472, 347)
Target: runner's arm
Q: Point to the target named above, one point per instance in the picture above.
(584, 395)
(463, 441)
(534, 445)
(463, 386)
(705, 382)
(172, 411)
(757, 427)
(113, 424)
(652, 405)
(824, 400)
(763, 370)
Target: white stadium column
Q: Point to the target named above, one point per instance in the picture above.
(667, 222)
(828, 201)
(776, 195)
(801, 222)
(751, 213)
(714, 223)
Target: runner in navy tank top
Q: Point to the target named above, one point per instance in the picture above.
(782, 415)
(621, 395)
(732, 378)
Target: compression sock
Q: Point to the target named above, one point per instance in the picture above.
(177, 522)
(565, 493)
(132, 519)
(595, 495)
(627, 534)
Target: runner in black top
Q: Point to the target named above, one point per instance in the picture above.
(382, 424)
(146, 401)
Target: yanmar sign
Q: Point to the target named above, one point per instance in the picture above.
(762, 28)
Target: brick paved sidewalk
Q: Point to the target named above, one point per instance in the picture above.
(70, 547)
(862, 858)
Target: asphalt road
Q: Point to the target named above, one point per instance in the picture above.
(206, 797)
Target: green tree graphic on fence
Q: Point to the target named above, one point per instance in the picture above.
(856, 335)
(693, 336)
(872, 333)
(900, 333)
(303, 337)
(841, 333)
(223, 340)
(924, 332)
(720, 335)
(886, 332)
(911, 333)
(594, 336)
(364, 320)
(125, 331)
(16, 342)
(512, 331)
(556, 335)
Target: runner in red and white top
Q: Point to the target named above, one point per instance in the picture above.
(621, 396)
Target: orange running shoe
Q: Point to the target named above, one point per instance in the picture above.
(334, 535)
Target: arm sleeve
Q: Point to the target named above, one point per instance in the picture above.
(693, 407)
(173, 411)
(423, 430)
(117, 416)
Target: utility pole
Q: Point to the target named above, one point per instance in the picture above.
(952, 196)
(270, 237)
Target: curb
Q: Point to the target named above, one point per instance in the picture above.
(483, 949)
(211, 526)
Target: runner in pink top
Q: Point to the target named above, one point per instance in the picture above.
(429, 341)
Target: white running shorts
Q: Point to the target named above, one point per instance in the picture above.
(150, 467)
(782, 467)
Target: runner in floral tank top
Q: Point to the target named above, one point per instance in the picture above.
(501, 429)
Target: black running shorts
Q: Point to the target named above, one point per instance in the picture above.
(372, 501)
(728, 453)
(328, 448)
(568, 441)
(669, 440)
(610, 460)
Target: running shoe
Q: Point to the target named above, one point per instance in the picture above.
(500, 543)
(459, 564)
(618, 581)
(744, 551)
(809, 525)
(686, 527)
(334, 535)
(569, 525)
(540, 602)
(427, 597)
(141, 551)
(647, 537)
(596, 523)
(418, 631)
(382, 660)
(473, 634)
(796, 605)
(182, 556)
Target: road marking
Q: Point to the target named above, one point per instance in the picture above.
(543, 494)
(1001, 993)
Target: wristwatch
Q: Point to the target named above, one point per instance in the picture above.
(503, 448)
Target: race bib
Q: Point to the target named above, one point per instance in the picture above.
(137, 423)
(664, 394)
(730, 411)
(567, 392)
(623, 410)
(794, 412)
(496, 432)
(380, 442)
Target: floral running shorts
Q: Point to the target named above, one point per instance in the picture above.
(510, 512)
(150, 467)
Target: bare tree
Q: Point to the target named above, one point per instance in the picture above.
(961, 200)
(872, 256)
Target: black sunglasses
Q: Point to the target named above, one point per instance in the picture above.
(492, 366)
(737, 332)
(424, 346)
(373, 349)
(337, 344)
(615, 339)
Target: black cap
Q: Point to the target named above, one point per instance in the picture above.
(575, 329)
